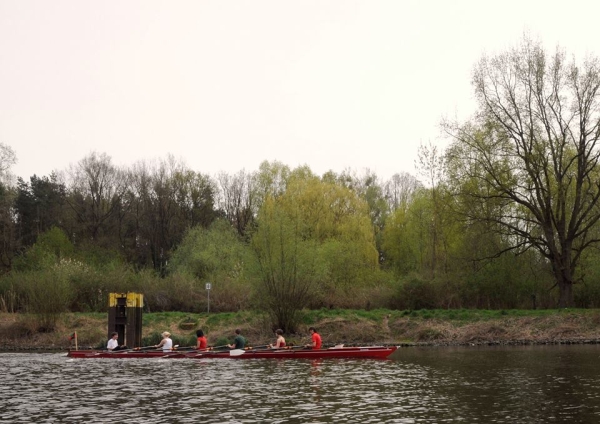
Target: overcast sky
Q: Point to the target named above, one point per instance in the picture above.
(225, 85)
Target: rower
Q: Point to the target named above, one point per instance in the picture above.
(166, 343)
(316, 338)
(239, 342)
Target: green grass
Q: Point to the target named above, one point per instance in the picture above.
(162, 317)
(310, 317)
(473, 315)
(353, 315)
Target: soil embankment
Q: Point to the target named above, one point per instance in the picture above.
(18, 331)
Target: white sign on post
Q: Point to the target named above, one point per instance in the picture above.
(207, 286)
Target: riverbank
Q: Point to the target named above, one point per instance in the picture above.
(404, 328)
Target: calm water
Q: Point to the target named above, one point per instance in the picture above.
(539, 384)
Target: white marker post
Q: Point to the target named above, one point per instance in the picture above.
(208, 286)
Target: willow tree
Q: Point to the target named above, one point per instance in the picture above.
(532, 151)
(314, 238)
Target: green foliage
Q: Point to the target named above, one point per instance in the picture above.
(46, 295)
(222, 341)
(404, 239)
(152, 339)
(288, 266)
(415, 293)
(309, 317)
(50, 247)
(271, 180)
(215, 255)
(529, 168)
(210, 254)
(317, 242)
(221, 319)
(587, 292)
(172, 293)
(98, 257)
(311, 242)
(38, 207)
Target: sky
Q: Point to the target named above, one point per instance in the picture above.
(223, 86)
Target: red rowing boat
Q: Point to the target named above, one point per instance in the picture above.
(376, 352)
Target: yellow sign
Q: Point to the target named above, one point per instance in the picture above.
(133, 300)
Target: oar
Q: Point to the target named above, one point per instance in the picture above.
(135, 349)
(216, 347)
(173, 350)
(239, 352)
(207, 352)
(257, 347)
(269, 348)
(233, 352)
(184, 347)
(116, 352)
(211, 348)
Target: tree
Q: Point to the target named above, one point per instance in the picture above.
(216, 255)
(532, 150)
(8, 239)
(368, 188)
(406, 237)
(400, 189)
(289, 266)
(237, 199)
(316, 238)
(271, 180)
(431, 167)
(195, 197)
(39, 206)
(166, 200)
(8, 242)
(50, 247)
(7, 159)
(96, 191)
(210, 254)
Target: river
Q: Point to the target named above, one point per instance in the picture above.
(530, 384)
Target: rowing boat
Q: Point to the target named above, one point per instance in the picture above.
(374, 352)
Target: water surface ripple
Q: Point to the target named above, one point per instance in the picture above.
(540, 384)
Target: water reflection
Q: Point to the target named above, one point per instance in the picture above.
(488, 385)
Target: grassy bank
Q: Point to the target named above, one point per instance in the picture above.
(351, 327)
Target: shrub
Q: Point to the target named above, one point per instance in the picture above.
(47, 296)
(415, 293)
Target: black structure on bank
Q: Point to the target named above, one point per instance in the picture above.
(125, 317)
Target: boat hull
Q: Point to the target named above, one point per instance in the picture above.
(373, 352)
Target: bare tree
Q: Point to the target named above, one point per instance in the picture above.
(237, 199)
(96, 190)
(532, 152)
(7, 159)
(431, 166)
(400, 189)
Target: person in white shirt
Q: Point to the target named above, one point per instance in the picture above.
(113, 343)
(166, 343)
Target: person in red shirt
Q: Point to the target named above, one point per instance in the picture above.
(316, 338)
(202, 343)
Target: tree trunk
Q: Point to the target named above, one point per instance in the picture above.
(565, 293)
(561, 266)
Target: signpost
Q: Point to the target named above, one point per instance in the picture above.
(208, 286)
